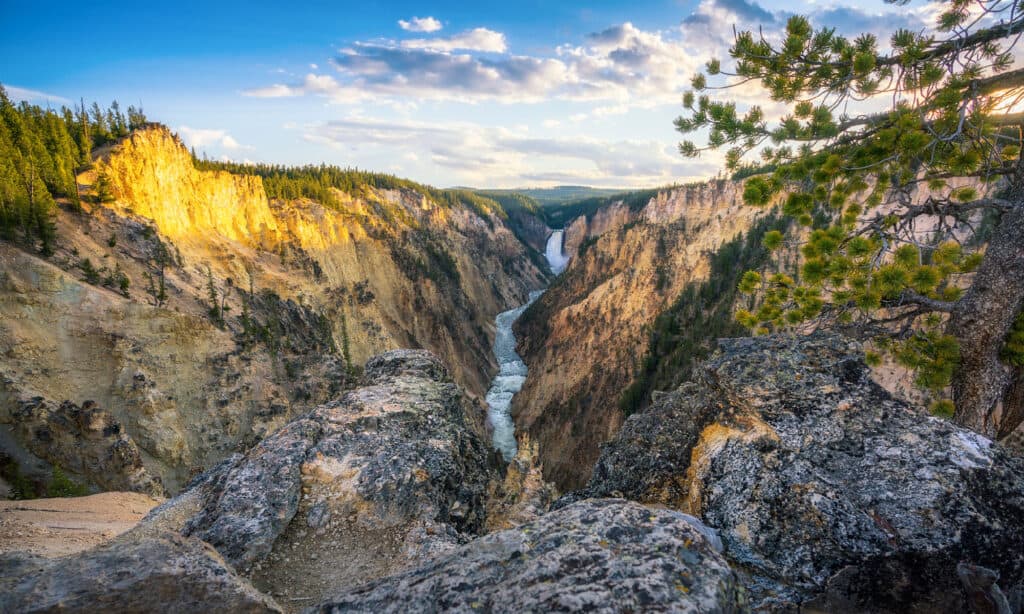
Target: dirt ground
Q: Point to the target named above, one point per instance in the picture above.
(58, 527)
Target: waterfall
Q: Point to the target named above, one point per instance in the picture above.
(556, 257)
(511, 368)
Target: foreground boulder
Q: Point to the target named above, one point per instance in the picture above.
(391, 473)
(596, 556)
(160, 573)
(829, 494)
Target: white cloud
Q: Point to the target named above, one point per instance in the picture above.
(313, 84)
(420, 24)
(276, 90)
(29, 95)
(602, 76)
(622, 66)
(477, 39)
(206, 137)
(482, 155)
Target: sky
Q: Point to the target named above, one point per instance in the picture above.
(523, 93)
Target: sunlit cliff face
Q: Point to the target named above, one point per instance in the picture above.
(153, 176)
(357, 278)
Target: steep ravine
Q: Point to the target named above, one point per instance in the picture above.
(512, 372)
(305, 294)
(585, 338)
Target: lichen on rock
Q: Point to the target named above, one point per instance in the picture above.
(827, 491)
(602, 555)
(155, 573)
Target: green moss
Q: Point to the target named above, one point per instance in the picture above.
(22, 487)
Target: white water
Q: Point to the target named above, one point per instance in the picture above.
(508, 381)
(556, 257)
(512, 369)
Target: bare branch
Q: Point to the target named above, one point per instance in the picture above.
(998, 82)
(961, 43)
(913, 298)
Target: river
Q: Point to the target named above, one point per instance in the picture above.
(512, 369)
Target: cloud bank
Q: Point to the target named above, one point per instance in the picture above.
(623, 64)
(604, 78)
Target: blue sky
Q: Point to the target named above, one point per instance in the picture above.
(509, 94)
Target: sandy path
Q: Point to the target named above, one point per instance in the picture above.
(57, 527)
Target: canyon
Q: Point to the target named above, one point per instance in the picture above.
(585, 337)
(242, 311)
(512, 371)
(407, 398)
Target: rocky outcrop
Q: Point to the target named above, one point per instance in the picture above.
(585, 338)
(154, 176)
(161, 573)
(828, 493)
(781, 479)
(523, 495)
(84, 440)
(584, 227)
(596, 556)
(392, 484)
(390, 474)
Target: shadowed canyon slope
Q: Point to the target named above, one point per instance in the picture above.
(238, 311)
(584, 339)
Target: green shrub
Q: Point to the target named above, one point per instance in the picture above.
(63, 486)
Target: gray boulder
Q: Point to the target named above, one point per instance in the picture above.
(596, 556)
(829, 494)
(391, 473)
(160, 573)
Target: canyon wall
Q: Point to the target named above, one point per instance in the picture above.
(584, 339)
(202, 315)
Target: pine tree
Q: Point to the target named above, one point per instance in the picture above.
(215, 312)
(104, 192)
(99, 128)
(92, 275)
(875, 179)
(28, 205)
(84, 137)
(136, 118)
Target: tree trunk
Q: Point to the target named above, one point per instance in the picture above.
(981, 321)
(1013, 405)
